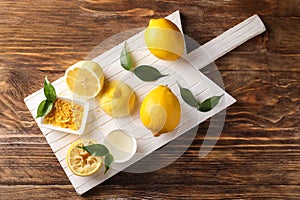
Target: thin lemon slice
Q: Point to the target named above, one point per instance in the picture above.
(80, 162)
(85, 79)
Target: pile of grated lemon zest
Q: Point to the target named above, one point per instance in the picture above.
(65, 114)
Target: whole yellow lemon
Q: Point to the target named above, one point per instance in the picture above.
(117, 99)
(160, 111)
(163, 39)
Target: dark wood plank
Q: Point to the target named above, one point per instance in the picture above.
(258, 153)
(152, 192)
(265, 157)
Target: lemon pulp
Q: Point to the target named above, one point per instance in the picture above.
(80, 162)
(85, 79)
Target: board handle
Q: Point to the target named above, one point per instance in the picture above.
(226, 42)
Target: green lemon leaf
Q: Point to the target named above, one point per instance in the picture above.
(209, 103)
(40, 109)
(188, 97)
(44, 108)
(95, 149)
(46, 105)
(49, 91)
(147, 73)
(125, 58)
(108, 160)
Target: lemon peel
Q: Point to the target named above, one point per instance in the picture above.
(160, 111)
(164, 39)
(117, 99)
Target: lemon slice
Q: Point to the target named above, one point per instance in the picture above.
(85, 79)
(80, 162)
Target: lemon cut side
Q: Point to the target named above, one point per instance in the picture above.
(80, 162)
(85, 79)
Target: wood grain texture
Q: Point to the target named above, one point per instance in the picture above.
(258, 153)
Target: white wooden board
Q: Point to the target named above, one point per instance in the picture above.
(99, 124)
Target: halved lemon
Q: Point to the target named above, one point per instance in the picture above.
(85, 79)
(80, 162)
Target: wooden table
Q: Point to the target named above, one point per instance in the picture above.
(258, 153)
